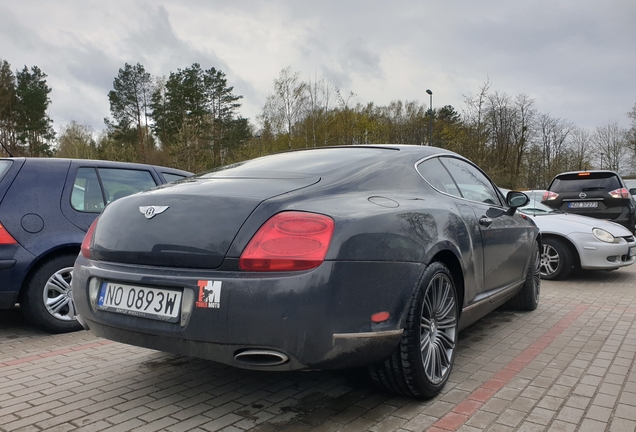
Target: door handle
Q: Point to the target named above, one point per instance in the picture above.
(485, 221)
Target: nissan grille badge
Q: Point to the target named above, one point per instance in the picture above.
(151, 211)
(581, 195)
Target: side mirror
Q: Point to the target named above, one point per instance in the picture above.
(632, 191)
(515, 200)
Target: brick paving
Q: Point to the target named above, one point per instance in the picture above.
(568, 366)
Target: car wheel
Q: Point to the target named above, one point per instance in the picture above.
(422, 362)
(528, 297)
(46, 300)
(556, 259)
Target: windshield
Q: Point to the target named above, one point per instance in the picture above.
(535, 208)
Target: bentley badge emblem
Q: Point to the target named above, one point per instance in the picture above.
(582, 195)
(151, 211)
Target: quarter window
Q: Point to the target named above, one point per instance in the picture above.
(4, 167)
(91, 195)
(472, 183)
(169, 177)
(435, 173)
(119, 183)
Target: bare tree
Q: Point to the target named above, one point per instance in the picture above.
(552, 135)
(476, 128)
(610, 141)
(284, 108)
(581, 148)
(76, 141)
(631, 134)
(318, 104)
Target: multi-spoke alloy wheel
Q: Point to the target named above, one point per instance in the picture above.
(549, 260)
(556, 259)
(528, 296)
(47, 299)
(58, 297)
(422, 363)
(438, 328)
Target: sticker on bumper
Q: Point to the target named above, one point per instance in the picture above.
(209, 294)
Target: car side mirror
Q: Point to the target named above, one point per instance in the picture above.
(515, 200)
(632, 191)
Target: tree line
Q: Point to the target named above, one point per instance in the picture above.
(190, 120)
(505, 135)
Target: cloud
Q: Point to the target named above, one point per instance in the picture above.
(575, 58)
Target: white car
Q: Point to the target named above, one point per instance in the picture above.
(573, 241)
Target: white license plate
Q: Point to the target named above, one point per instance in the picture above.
(586, 204)
(153, 303)
(632, 251)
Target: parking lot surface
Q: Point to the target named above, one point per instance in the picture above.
(567, 366)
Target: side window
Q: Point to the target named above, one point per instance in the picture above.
(434, 172)
(4, 167)
(87, 194)
(171, 177)
(472, 183)
(119, 182)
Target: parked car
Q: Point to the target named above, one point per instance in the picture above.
(598, 194)
(572, 241)
(315, 259)
(46, 206)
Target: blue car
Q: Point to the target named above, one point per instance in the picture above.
(46, 207)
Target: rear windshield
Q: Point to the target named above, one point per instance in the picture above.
(576, 183)
(4, 167)
(299, 163)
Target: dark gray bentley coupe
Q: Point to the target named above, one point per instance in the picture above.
(324, 258)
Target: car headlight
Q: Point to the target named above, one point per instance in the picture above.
(603, 235)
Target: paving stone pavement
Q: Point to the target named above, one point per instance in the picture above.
(568, 366)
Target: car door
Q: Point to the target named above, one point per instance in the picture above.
(471, 247)
(504, 236)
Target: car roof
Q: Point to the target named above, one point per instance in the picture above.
(53, 160)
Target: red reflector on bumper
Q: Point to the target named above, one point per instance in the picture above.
(380, 317)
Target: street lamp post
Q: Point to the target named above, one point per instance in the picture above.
(602, 154)
(430, 118)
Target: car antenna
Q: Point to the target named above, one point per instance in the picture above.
(6, 149)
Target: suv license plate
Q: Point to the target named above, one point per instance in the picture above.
(632, 251)
(585, 204)
(153, 303)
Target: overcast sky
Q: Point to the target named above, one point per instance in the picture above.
(576, 58)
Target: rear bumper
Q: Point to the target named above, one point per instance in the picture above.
(347, 351)
(15, 262)
(319, 319)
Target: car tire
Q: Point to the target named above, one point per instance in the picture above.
(556, 259)
(423, 360)
(527, 298)
(46, 299)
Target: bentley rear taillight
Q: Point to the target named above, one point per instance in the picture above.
(87, 243)
(620, 193)
(5, 237)
(289, 241)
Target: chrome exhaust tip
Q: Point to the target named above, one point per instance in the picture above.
(260, 358)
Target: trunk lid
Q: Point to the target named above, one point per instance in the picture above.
(188, 224)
